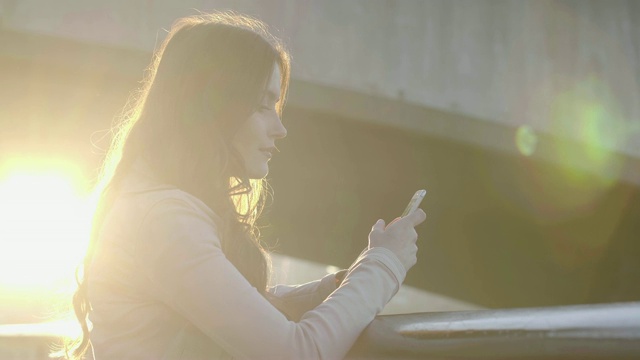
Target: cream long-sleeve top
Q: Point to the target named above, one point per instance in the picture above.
(161, 287)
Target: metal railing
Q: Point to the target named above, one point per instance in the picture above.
(604, 331)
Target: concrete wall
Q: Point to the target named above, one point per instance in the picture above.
(556, 80)
(568, 68)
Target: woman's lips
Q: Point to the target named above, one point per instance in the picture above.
(268, 152)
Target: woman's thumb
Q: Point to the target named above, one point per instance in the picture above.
(378, 226)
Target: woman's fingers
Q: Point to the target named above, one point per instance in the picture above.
(394, 220)
(378, 226)
(416, 217)
(399, 236)
(377, 232)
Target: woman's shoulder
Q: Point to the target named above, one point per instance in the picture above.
(166, 214)
(145, 194)
(172, 199)
(178, 200)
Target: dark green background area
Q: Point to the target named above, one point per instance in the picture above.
(481, 242)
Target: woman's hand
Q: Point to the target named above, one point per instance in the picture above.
(399, 236)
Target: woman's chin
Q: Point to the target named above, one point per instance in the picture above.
(258, 173)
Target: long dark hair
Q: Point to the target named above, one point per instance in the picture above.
(207, 77)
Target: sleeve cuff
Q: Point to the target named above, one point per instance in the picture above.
(388, 259)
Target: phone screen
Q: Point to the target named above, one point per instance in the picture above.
(414, 202)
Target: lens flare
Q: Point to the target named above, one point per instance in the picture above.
(590, 115)
(580, 158)
(526, 140)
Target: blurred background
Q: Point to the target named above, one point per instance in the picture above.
(521, 119)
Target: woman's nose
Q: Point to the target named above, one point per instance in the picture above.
(279, 131)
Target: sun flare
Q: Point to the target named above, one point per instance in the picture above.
(44, 225)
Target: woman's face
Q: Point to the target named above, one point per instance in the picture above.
(255, 139)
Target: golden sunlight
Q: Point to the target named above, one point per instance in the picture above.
(44, 224)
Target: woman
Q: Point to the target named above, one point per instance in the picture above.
(174, 268)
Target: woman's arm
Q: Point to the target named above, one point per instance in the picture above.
(180, 254)
(295, 300)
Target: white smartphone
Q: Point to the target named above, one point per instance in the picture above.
(414, 202)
